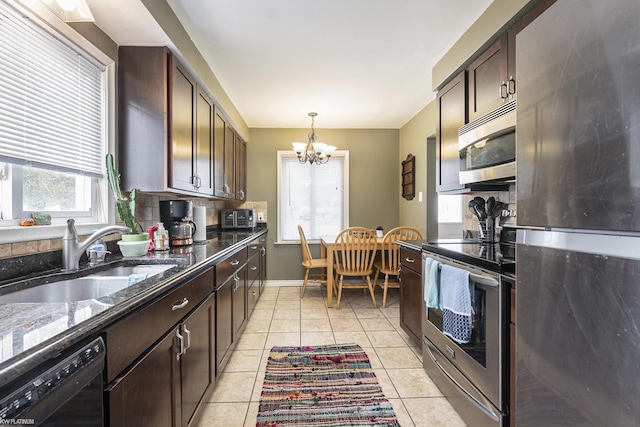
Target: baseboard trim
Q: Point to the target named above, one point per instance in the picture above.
(298, 283)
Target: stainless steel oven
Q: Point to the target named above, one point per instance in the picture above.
(471, 375)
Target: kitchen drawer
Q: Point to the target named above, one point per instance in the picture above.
(254, 267)
(130, 337)
(230, 265)
(253, 295)
(254, 247)
(411, 259)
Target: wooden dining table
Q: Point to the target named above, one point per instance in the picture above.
(327, 248)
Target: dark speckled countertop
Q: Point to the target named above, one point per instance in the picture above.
(31, 333)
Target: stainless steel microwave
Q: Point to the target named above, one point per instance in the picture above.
(487, 147)
(237, 218)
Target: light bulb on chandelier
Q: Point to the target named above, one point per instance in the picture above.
(313, 151)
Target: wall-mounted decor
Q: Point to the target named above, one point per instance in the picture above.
(409, 177)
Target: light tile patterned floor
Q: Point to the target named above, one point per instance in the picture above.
(281, 318)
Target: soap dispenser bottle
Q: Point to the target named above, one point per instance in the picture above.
(161, 238)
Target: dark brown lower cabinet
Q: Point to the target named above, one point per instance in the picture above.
(168, 382)
(146, 394)
(411, 298)
(224, 323)
(231, 315)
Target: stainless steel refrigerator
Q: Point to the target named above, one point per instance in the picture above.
(578, 201)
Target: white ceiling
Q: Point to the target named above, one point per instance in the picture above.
(358, 63)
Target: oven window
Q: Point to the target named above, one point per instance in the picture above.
(477, 345)
(489, 152)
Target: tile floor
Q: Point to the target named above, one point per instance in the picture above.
(281, 318)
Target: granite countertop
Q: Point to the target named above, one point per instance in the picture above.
(415, 245)
(31, 333)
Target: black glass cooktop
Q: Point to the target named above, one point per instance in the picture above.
(498, 257)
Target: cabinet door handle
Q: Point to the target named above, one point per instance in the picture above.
(512, 85)
(237, 284)
(181, 344)
(504, 91)
(188, 334)
(235, 262)
(179, 304)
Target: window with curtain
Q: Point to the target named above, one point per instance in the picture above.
(313, 196)
(52, 121)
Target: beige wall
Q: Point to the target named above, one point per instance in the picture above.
(413, 140)
(374, 186)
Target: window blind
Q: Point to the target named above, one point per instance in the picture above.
(51, 99)
(312, 196)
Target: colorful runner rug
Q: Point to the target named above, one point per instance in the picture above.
(328, 385)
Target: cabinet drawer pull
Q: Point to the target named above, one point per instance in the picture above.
(235, 262)
(410, 260)
(254, 268)
(180, 304)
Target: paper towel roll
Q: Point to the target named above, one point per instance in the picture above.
(200, 219)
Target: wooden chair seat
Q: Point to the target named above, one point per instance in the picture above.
(355, 249)
(389, 264)
(310, 263)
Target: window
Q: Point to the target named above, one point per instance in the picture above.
(313, 196)
(53, 122)
(450, 209)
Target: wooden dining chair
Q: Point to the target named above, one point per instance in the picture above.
(389, 263)
(355, 250)
(310, 263)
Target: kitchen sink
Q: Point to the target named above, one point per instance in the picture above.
(82, 288)
(96, 285)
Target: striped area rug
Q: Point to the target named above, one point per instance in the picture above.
(327, 385)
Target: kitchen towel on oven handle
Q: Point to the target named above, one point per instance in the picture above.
(457, 321)
(431, 287)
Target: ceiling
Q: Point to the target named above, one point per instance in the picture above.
(357, 63)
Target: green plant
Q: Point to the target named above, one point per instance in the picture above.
(126, 205)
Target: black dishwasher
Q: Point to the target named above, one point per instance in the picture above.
(65, 391)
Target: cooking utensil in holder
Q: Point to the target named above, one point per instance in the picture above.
(486, 230)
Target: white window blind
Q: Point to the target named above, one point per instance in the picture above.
(51, 99)
(313, 196)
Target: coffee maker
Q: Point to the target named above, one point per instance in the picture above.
(177, 216)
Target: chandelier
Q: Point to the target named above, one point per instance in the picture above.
(313, 151)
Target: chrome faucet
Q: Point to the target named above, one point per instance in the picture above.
(72, 250)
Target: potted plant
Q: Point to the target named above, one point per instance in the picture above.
(126, 205)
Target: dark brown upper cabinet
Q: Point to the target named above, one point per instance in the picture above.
(166, 125)
(489, 80)
(452, 113)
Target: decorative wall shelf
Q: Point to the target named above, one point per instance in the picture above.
(409, 177)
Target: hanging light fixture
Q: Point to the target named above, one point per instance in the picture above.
(313, 151)
(71, 10)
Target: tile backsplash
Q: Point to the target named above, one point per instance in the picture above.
(148, 214)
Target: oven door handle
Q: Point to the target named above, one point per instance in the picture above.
(474, 274)
(491, 414)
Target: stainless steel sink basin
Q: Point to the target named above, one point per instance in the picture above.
(97, 285)
(82, 288)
